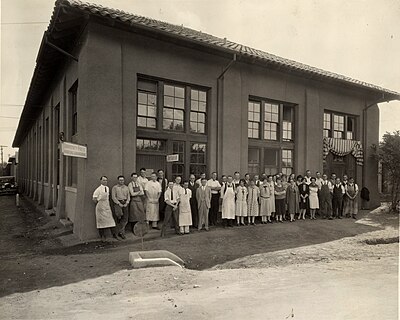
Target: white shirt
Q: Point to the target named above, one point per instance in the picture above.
(328, 183)
(213, 184)
(142, 181)
(175, 195)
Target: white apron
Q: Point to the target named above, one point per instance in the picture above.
(228, 203)
(104, 218)
(185, 213)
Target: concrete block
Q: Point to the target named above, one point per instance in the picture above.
(155, 258)
(66, 223)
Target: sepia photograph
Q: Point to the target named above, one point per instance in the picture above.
(199, 159)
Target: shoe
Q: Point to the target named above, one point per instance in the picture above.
(122, 236)
(354, 217)
(280, 221)
(330, 218)
(157, 228)
(206, 229)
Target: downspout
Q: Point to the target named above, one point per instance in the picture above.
(219, 109)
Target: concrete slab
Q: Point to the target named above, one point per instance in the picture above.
(154, 258)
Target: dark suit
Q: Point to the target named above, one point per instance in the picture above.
(193, 203)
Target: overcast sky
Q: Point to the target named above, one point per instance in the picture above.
(357, 38)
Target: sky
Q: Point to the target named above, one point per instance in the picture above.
(356, 38)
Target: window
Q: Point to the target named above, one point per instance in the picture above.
(270, 161)
(150, 145)
(147, 104)
(73, 172)
(287, 124)
(254, 110)
(287, 161)
(350, 128)
(327, 124)
(178, 167)
(174, 106)
(198, 158)
(46, 150)
(198, 106)
(271, 121)
(254, 161)
(338, 126)
(73, 95)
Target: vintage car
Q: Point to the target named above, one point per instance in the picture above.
(8, 185)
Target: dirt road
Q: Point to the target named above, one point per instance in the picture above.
(321, 269)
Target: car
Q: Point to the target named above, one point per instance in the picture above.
(8, 185)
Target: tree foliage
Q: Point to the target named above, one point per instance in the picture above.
(388, 153)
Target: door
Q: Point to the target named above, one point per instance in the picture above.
(151, 162)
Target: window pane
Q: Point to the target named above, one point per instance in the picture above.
(169, 101)
(142, 98)
(142, 110)
(168, 113)
(202, 96)
(270, 157)
(141, 122)
(194, 105)
(202, 106)
(152, 112)
(168, 90)
(179, 103)
(179, 92)
(201, 128)
(151, 123)
(194, 94)
(178, 114)
(168, 124)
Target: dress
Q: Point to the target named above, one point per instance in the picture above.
(241, 201)
(271, 199)
(314, 202)
(252, 201)
(104, 218)
(185, 213)
(293, 199)
(265, 208)
(152, 207)
(228, 201)
(304, 190)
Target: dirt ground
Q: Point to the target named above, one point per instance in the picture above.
(340, 269)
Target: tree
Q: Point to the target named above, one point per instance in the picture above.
(388, 153)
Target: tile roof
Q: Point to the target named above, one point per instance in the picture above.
(217, 43)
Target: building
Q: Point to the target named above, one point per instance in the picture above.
(134, 90)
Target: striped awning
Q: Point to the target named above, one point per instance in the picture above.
(342, 147)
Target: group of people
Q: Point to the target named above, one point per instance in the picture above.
(197, 202)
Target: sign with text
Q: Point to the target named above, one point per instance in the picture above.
(73, 150)
(172, 157)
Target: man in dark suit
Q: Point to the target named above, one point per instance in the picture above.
(203, 195)
(193, 201)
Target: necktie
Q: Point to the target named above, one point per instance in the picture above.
(172, 195)
(185, 191)
(105, 189)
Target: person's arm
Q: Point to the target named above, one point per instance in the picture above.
(128, 197)
(355, 191)
(95, 195)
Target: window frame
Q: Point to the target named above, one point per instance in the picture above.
(346, 117)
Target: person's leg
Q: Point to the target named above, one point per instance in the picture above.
(102, 234)
(340, 209)
(200, 220)
(167, 218)
(187, 229)
(123, 222)
(206, 220)
(175, 216)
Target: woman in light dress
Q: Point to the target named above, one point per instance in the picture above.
(241, 203)
(314, 202)
(185, 212)
(104, 218)
(271, 199)
(265, 208)
(252, 202)
(228, 202)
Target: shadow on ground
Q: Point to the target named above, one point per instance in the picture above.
(28, 263)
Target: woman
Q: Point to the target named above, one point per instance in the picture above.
(136, 208)
(292, 199)
(252, 202)
(265, 210)
(104, 218)
(351, 204)
(313, 197)
(241, 202)
(228, 202)
(185, 212)
(280, 196)
(304, 198)
(271, 200)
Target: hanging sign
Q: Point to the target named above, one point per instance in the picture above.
(73, 150)
(172, 157)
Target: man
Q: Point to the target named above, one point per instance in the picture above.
(203, 195)
(164, 185)
(308, 177)
(236, 179)
(120, 196)
(193, 201)
(224, 179)
(337, 199)
(257, 180)
(136, 209)
(153, 192)
(325, 195)
(333, 178)
(344, 182)
(142, 181)
(202, 176)
(247, 180)
(318, 180)
(215, 187)
(171, 196)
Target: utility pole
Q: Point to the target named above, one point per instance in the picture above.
(2, 162)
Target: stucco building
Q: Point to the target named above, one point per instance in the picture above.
(134, 90)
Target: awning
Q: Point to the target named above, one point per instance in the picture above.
(342, 147)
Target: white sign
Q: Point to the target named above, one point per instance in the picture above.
(73, 150)
(172, 157)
